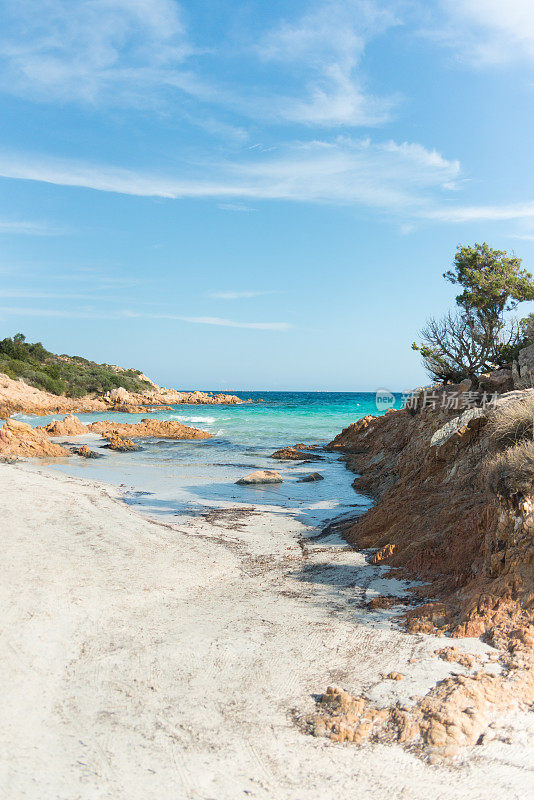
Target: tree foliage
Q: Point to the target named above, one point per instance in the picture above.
(493, 282)
(72, 376)
(480, 336)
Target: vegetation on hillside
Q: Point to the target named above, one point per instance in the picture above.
(71, 376)
(480, 336)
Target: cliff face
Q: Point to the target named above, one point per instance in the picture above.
(436, 520)
(454, 508)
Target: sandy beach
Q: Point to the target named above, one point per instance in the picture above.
(145, 659)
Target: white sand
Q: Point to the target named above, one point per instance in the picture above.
(144, 661)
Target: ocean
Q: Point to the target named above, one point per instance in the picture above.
(176, 479)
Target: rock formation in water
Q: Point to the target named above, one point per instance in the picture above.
(161, 429)
(260, 476)
(18, 439)
(313, 476)
(85, 452)
(121, 444)
(298, 452)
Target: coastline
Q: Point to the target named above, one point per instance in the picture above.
(146, 657)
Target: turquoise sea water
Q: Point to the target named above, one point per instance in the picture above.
(181, 478)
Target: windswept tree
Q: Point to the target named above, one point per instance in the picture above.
(480, 336)
(492, 281)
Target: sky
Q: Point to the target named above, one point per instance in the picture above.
(234, 194)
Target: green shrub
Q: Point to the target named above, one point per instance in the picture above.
(73, 376)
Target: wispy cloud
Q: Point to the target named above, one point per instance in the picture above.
(235, 207)
(92, 50)
(96, 313)
(218, 321)
(323, 50)
(385, 175)
(236, 295)
(28, 228)
(138, 52)
(482, 213)
(485, 32)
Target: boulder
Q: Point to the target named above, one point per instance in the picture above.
(85, 452)
(118, 395)
(458, 432)
(501, 380)
(313, 476)
(296, 453)
(20, 439)
(261, 476)
(161, 429)
(120, 444)
(524, 368)
(68, 426)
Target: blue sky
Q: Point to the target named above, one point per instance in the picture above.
(256, 195)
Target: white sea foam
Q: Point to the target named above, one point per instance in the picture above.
(205, 420)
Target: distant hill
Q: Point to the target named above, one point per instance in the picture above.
(70, 376)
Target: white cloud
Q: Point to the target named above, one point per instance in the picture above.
(138, 52)
(28, 228)
(218, 321)
(91, 49)
(489, 213)
(91, 313)
(235, 207)
(323, 50)
(390, 176)
(235, 295)
(487, 31)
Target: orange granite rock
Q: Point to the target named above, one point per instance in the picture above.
(20, 439)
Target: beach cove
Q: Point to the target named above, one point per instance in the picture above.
(172, 645)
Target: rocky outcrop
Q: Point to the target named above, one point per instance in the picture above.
(435, 518)
(501, 380)
(260, 476)
(18, 396)
(455, 713)
(524, 368)
(19, 439)
(68, 426)
(160, 429)
(85, 452)
(121, 400)
(299, 452)
(311, 478)
(121, 445)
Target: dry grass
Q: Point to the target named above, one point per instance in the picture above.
(510, 474)
(512, 423)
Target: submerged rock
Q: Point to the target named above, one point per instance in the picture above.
(261, 476)
(313, 476)
(298, 452)
(85, 452)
